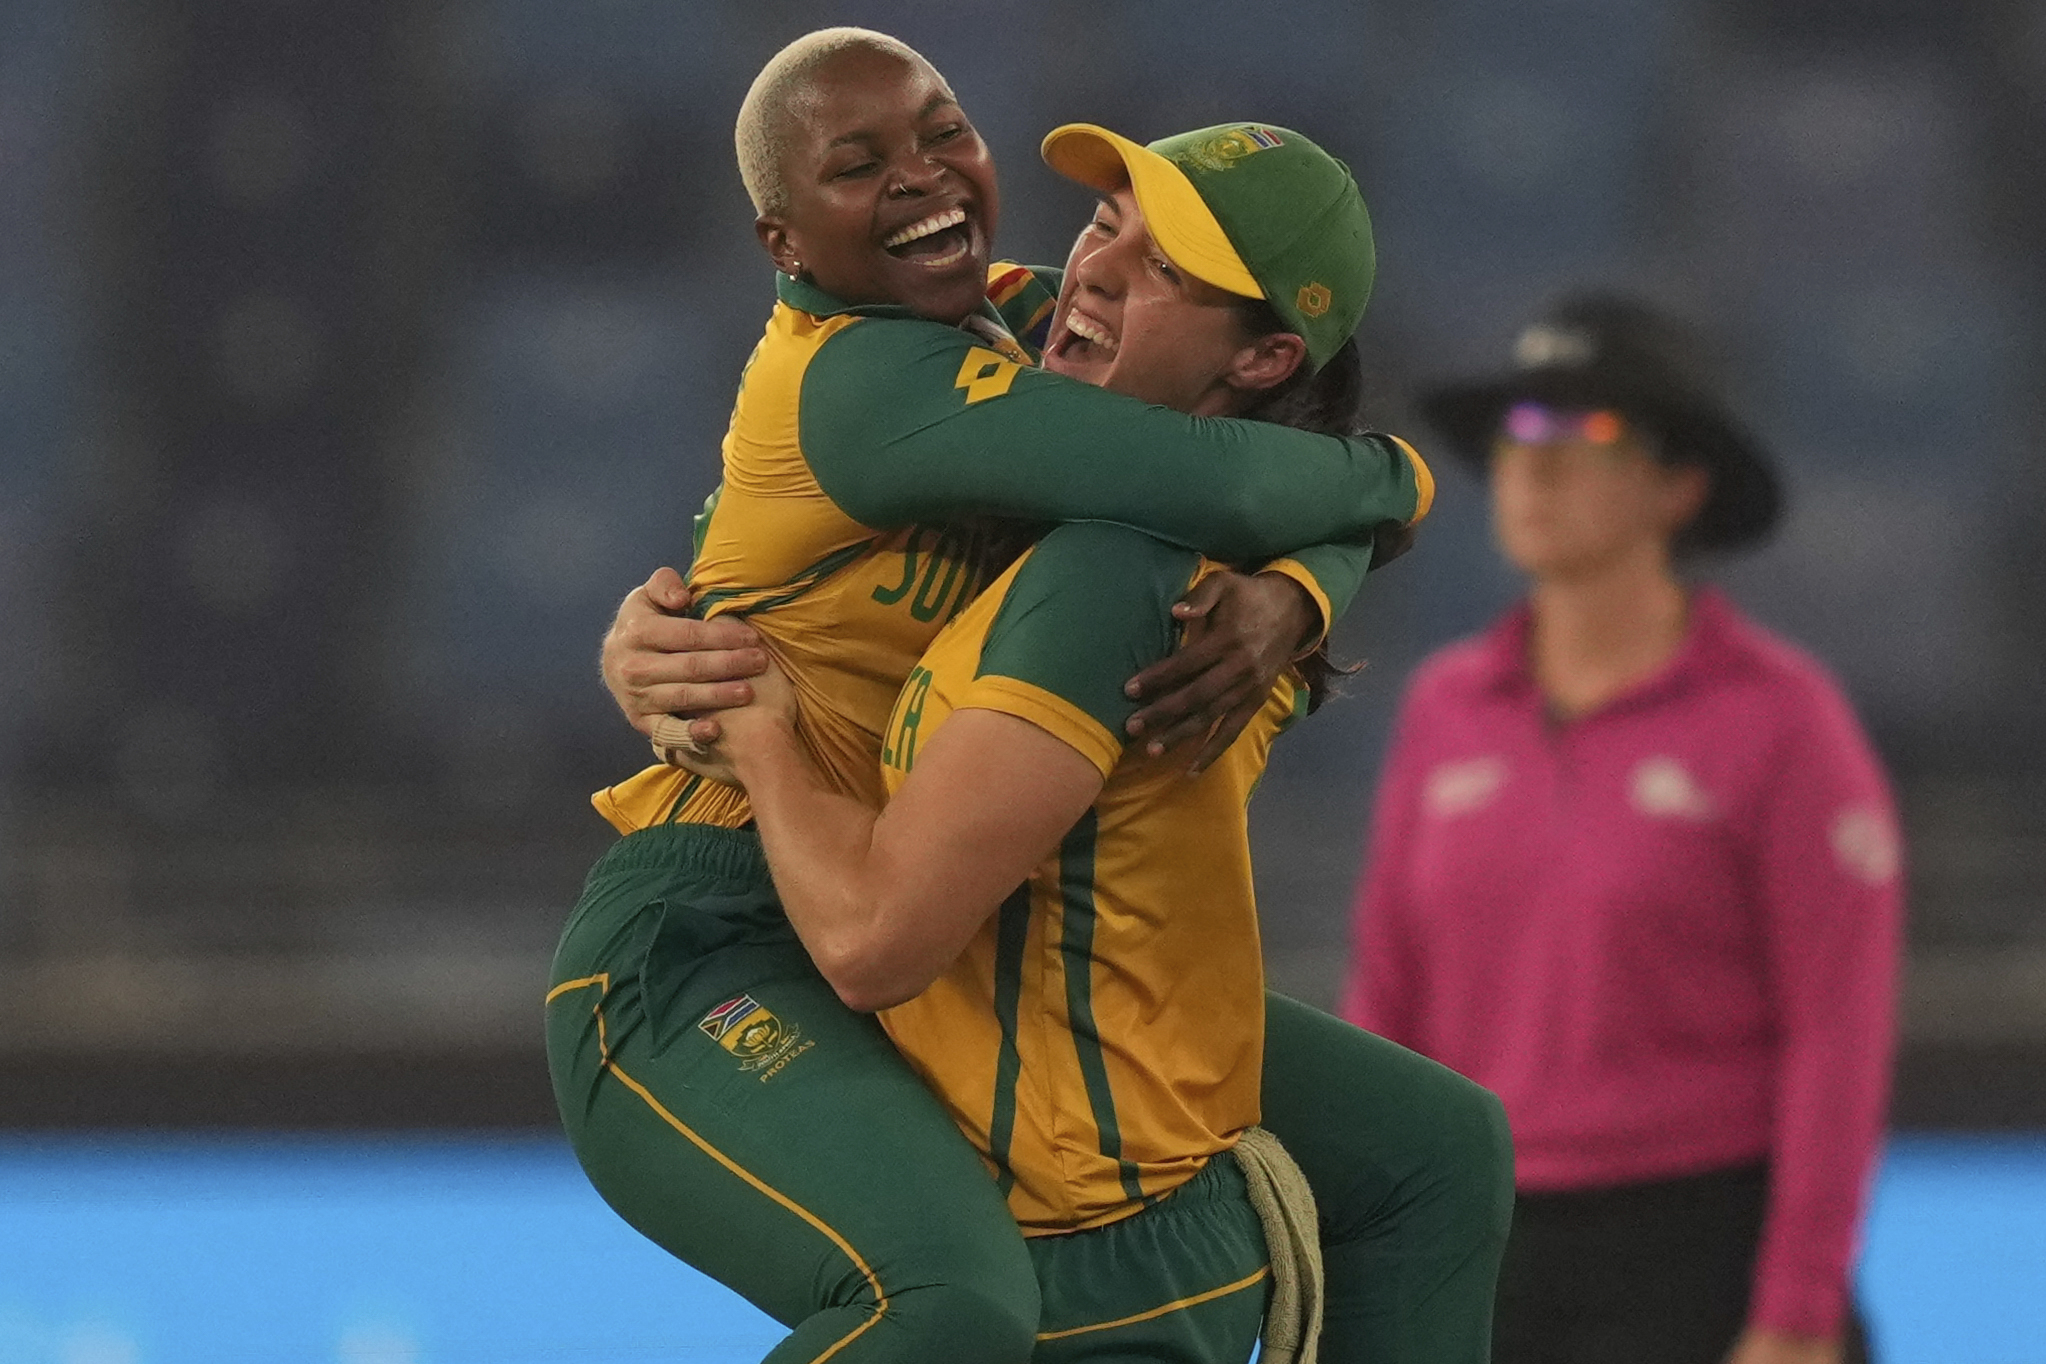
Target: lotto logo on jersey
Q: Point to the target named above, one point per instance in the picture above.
(750, 1031)
(986, 374)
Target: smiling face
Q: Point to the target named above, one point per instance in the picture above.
(1131, 321)
(891, 192)
(1573, 505)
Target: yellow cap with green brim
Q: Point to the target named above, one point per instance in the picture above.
(1248, 207)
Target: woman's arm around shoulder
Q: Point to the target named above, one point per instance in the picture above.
(885, 902)
(904, 421)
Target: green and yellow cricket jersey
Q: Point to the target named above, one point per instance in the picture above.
(1102, 1036)
(876, 466)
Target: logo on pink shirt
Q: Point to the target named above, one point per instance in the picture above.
(1461, 787)
(1865, 842)
(1664, 790)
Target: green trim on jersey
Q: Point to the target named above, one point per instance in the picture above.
(682, 799)
(1012, 937)
(1088, 610)
(700, 526)
(1076, 945)
(904, 421)
(781, 594)
(1302, 699)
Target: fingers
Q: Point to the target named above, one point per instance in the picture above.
(1166, 677)
(671, 732)
(1194, 708)
(1205, 596)
(1190, 680)
(656, 665)
(1189, 705)
(641, 668)
(1224, 734)
(659, 633)
(703, 761)
(1208, 690)
(689, 698)
(1200, 651)
(1201, 648)
(692, 745)
(1201, 723)
(666, 590)
(1175, 738)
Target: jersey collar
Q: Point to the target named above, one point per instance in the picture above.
(807, 297)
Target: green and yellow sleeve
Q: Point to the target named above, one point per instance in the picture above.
(1333, 574)
(1089, 607)
(903, 420)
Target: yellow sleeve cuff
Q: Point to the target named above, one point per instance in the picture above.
(1054, 715)
(1297, 571)
(1424, 481)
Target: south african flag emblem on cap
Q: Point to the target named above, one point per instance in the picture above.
(1220, 149)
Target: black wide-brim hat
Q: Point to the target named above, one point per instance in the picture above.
(1602, 351)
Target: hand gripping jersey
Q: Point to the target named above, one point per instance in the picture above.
(1102, 1036)
(876, 465)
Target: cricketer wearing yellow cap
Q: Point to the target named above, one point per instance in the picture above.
(1157, 876)
(1102, 1037)
(1297, 214)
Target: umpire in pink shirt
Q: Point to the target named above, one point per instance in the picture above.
(1635, 869)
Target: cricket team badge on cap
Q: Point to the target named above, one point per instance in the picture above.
(1226, 149)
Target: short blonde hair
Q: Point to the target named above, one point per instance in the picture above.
(762, 133)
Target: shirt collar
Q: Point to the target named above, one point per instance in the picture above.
(807, 297)
(1504, 651)
(1506, 667)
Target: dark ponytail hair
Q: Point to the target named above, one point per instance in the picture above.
(1328, 402)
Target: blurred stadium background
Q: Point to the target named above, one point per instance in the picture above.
(355, 358)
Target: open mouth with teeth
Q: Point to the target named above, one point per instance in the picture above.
(943, 239)
(1082, 338)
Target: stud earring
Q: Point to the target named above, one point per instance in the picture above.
(796, 269)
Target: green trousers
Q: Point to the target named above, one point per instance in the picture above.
(1412, 1171)
(1182, 1282)
(730, 1108)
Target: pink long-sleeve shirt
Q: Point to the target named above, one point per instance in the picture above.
(1666, 934)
